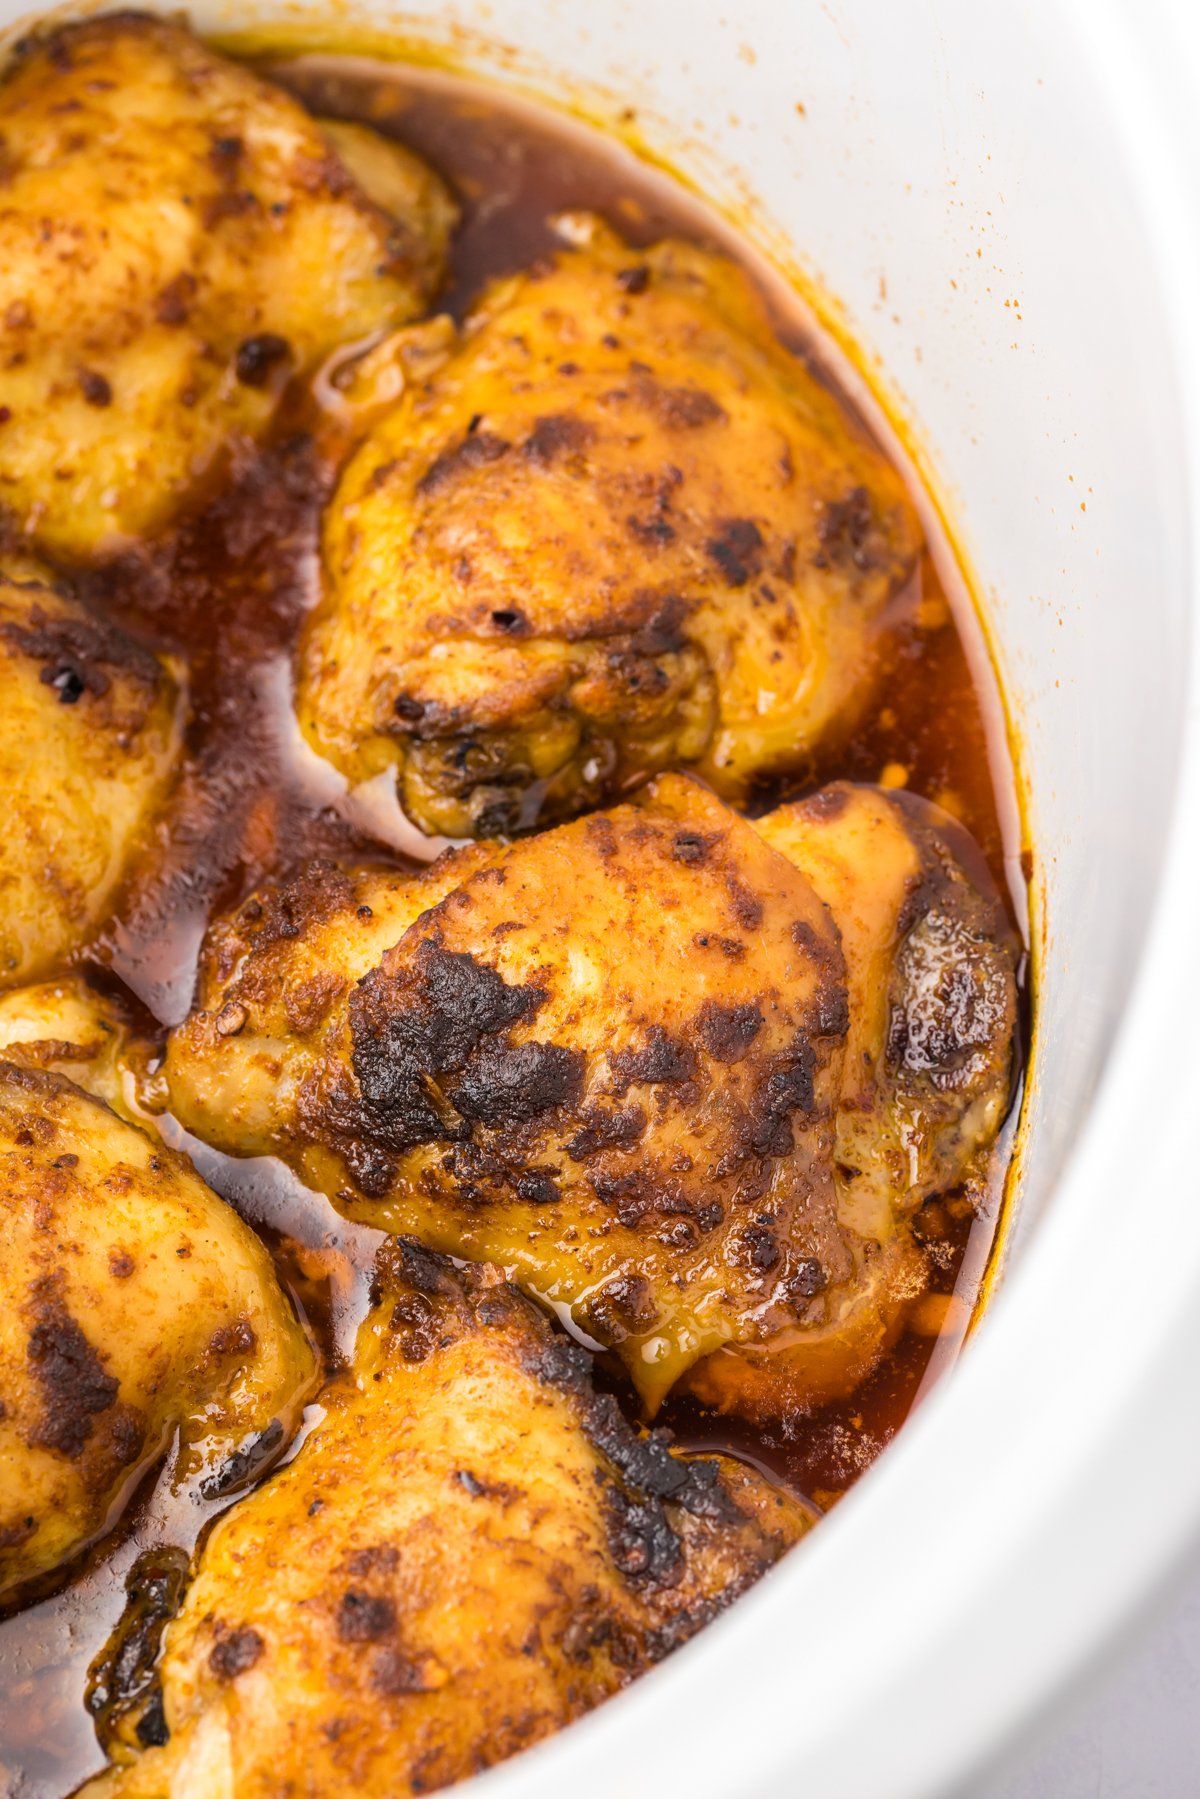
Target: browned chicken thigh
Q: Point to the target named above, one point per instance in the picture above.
(619, 529)
(67, 1027)
(135, 1309)
(90, 726)
(471, 1549)
(927, 1072)
(177, 239)
(606, 1057)
(636, 1061)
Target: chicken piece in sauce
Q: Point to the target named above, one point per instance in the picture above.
(178, 238)
(136, 1310)
(617, 1058)
(89, 739)
(67, 1027)
(927, 1073)
(619, 529)
(471, 1549)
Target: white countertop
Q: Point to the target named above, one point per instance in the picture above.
(1133, 1732)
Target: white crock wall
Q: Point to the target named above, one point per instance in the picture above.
(1000, 199)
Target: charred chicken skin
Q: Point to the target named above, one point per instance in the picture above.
(927, 1071)
(635, 1060)
(135, 1307)
(606, 1056)
(177, 239)
(471, 1549)
(619, 529)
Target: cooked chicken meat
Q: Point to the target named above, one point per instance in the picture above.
(606, 1057)
(134, 1306)
(929, 963)
(177, 239)
(421, 211)
(66, 1027)
(618, 529)
(927, 1073)
(89, 730)
(614, 1059)
(470, 1550)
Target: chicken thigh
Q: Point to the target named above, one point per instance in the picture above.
(471, 1549)
(66, 1027)
(606, 1057)
(89, 732)
(929, 962)
(177, 239)
(134, 1306)
(927, 1075)
(619, 528)
(616, 1058)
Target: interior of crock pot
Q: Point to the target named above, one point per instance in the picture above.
(948, 178)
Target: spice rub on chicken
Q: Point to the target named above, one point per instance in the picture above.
(616, 1058)
(178, 238)
(135, 1308)
(67, 1027)
(606, 1057)
(479, 1549)
(927, 1071)
(618, 529)
(89, 735)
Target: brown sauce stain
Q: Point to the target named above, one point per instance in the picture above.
(227, 593)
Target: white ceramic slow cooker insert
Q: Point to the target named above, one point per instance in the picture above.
(1005, 201)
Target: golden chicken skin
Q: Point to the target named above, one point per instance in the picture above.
(67, 1027)
(631, 1059)
(618, 529)
(178, 238)
(135, 1308)
(606, 1057)
(472, 1549)
(930, 961)
(89, 733)
(927, 1072)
